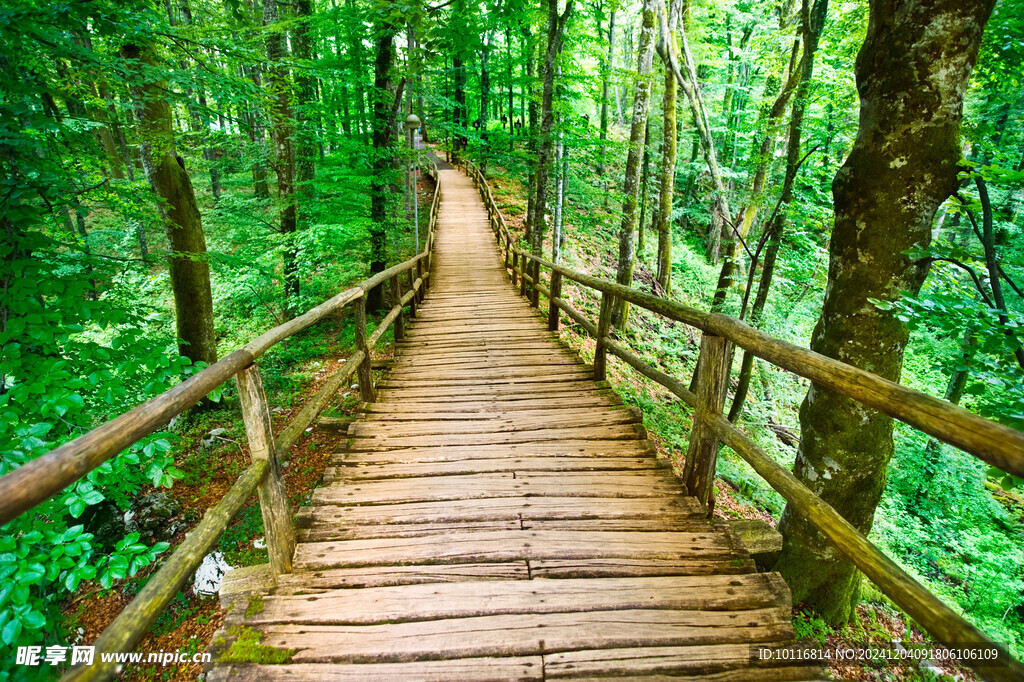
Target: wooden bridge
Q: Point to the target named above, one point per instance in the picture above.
(503, 517)
(497, 513)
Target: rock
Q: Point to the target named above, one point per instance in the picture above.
(151, 516)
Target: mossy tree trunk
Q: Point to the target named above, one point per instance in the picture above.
(669, 148)
(385, 108)
(282, 132)
(545, 148)
(912, 72)
(631, 188)
(165, 170)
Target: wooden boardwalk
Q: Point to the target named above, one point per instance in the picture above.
(498, 515)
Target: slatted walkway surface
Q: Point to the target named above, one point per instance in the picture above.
(498, 515)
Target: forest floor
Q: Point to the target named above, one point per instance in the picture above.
(880, 625)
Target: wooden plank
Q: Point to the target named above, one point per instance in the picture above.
(691, 661)
(502, 508)
(321, 532)
(494, 423)
(511, 545)
(628, 567)
(373, 605)
(382, 576)
(528, 634)
(499, 669)
(503, 391)
(609, 432)
(354, 471)
(383, 410)
(450, 452)
(652, 483)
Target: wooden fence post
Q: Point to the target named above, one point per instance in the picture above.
(419, 274)
(556, 291)
(515, 265)
(712, 384)
(604, 322)
(274, 505)
(396, 291)
(366, 391)
(508, 250)
(534, 291)
(412, 288)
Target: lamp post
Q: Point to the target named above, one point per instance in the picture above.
(412, 122)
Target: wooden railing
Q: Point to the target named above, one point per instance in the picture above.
(991, 442)
(46, 476)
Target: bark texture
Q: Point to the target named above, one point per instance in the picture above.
(631, 187)
(911, 75)
(165, 170)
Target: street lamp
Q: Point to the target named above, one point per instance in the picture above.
(412, 122)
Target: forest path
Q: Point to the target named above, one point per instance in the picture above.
(499, 515)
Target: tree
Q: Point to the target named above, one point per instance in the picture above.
(631, 189)
(912, 71)
(668, 161)
(165, 170)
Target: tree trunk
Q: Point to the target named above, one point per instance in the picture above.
(912, 72)
(165, 170)
(631, 190)
(667, 184)
(384, 112)
(606, 83)
(531, 140)
(485, 98)
(556, 33)
(305, 137)
(282, 131)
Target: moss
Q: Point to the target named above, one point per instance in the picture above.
(246, 648)
(255, 606)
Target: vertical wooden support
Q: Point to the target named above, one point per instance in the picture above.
(396, 291)
(604, 323)
(366, 391)
(556, 291)
(508, 250)
(534, 291)
(419, 275)
(412, 288)
(515, 268)
(712, 384)
(274, 505)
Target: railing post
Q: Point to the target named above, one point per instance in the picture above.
(604, 323)
(534, 291)
(412, 288)
(396, 291)
(419, 275)
(556, 291)
(508, 250)
(712, 384)
(522, 274)
(366, 391)
(274, 505)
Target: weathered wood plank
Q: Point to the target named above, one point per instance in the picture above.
(503, 546)
(404, 603)
(626, 567)
(528, 634)
(448, 452)
(355, 471)
(498, 669)
(609, 432)
(427, 424)
(500, 509)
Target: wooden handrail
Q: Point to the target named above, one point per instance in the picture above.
(987, 440)
(40, 479)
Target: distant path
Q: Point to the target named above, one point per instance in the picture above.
(504, 517)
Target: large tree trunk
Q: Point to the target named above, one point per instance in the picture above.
(556, 33)
(669, 148)
(384, 111)
(631, 189)
(282, 131)
(911, 75)
(165, 170)
(305, 137)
